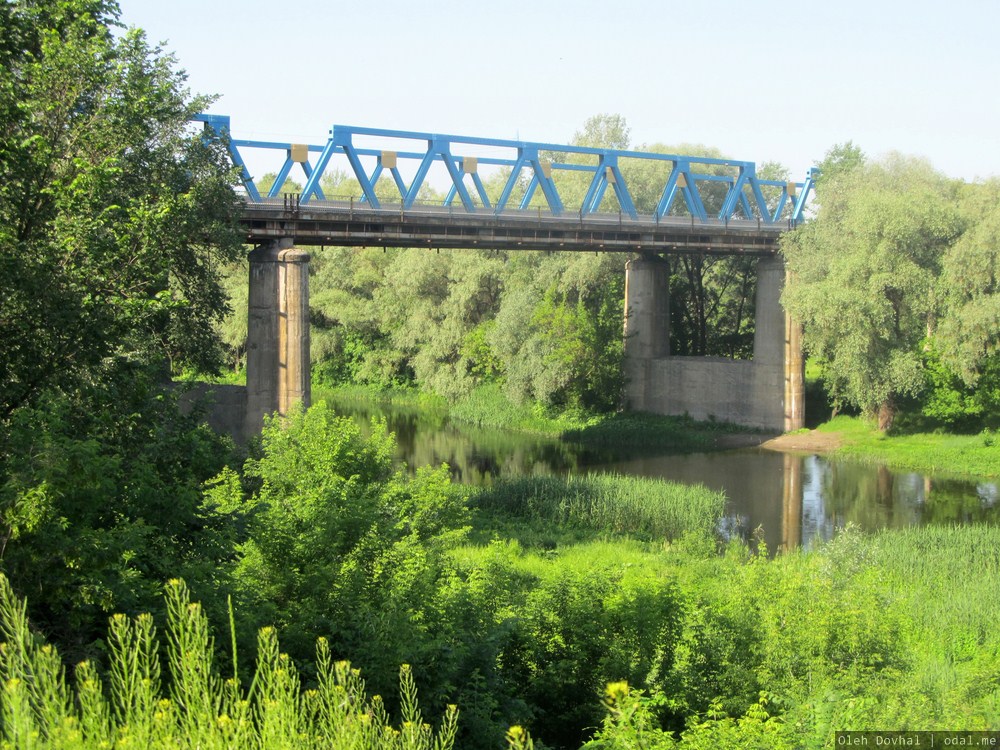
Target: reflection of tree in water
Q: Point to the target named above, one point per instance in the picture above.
(797, 500)
(875, 497)
(474, 455)
(949, 501)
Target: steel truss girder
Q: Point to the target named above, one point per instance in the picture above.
(744, 199)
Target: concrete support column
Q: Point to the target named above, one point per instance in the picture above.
(795, 376)
(262, 338)
(778, 341)
(293, 330)
(647, 325)
(278, 361)
(769, 320)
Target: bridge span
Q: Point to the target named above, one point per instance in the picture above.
(350, 223)
(537, 197)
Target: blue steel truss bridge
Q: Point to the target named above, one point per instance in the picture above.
(509, 195)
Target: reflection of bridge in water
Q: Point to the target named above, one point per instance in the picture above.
(791, 500)
(536, 196)
(787, 500)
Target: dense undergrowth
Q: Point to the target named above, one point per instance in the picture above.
(583, 609)
(136, 706)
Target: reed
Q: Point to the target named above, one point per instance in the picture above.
(198, 708)
(635, 506)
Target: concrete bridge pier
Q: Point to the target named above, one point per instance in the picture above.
(777, 344)
(765, 392)
(647, 328)
(278, 363)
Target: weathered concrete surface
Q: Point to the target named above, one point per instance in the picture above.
(262, 337)
(765, 392)
(223, 406)
(293, 329)
(647, 327)
(278, 361)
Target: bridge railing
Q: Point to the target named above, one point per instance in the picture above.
(526, 178)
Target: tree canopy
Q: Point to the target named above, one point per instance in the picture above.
(115, 215)
(894, 282)
(113, 210)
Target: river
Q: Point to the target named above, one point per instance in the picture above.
(787, 500)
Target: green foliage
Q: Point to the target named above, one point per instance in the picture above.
(101, 501)
(483, 363)
(637, 507)
(266, 181)
(841, 160)
(200, 708)
(343, 544)
(582, 628)
(934, 453)
(603, 131)
(558, 330)
(113, 214)
(232, 329)
(951, 402)
(867, 632)
(711, 305)
(895, 281)
(968, 338)
(863, 276)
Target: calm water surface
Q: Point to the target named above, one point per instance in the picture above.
(787, 500)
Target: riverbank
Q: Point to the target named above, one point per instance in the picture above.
(937, 453)
(488, 407)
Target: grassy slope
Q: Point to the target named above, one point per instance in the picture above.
(941, 454)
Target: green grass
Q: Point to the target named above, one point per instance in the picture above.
(636, 507)
(488, 406)
(226, 377)
(404, 397)
(652, 433)
(941, 454)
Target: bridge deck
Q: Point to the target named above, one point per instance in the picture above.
(358, 224)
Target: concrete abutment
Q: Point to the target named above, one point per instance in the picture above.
(765, 392)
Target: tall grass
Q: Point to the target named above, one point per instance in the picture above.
(195, 707)
(410, 398)
(949, 577)
(637, 506)
(489, 406)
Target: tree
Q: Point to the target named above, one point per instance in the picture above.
(113, 212)
(969, 332)
(558, 330)
(603, 131)
(863, 277)
(842, 158)
(266, 181)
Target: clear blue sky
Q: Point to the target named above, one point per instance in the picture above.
(760, 80)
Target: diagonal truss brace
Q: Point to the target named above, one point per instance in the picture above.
(744, 194)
